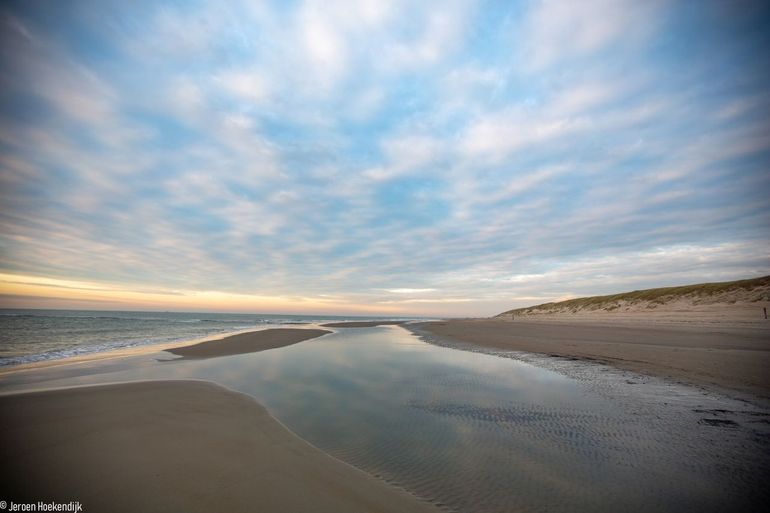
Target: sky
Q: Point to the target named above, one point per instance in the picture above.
(378, 157)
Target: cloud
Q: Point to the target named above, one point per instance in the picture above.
(366, 104)
(561, 29)
(440, 34)
(324, 45)
(407, 154)
(497, 136)
(633, 270)
(249, 86)
(326, 152)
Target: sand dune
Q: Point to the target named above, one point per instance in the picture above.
(741, 301)
(173, 446)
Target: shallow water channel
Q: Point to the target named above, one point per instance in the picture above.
(477, 432)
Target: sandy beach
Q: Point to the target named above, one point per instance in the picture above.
(173, 446)
(192, 445)
(724, 355)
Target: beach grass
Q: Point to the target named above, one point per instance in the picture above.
(758, 289)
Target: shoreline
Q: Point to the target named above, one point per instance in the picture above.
(136, 350)
(124, 352)
(721, 358)
(157, 436)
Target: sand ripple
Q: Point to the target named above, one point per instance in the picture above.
(469, 456)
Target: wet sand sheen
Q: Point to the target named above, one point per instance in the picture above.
(173, 446)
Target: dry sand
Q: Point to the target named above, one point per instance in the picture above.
(173, 446)
(361, 324)
(250, 342)
(723, 355)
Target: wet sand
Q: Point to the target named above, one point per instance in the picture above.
(173, 446)
(721, 356)
(247, 342)
(361, 324)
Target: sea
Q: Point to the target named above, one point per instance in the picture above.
(37, 335)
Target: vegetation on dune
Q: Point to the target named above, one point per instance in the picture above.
(752, 290)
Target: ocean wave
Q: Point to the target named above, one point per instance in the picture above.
(107, 345)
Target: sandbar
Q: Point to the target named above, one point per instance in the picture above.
(188, 446)
(250, 342)
(361, 324)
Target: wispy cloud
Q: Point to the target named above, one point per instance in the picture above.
(559, 30)
(381, 156)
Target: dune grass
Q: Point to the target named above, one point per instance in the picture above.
(652, 297)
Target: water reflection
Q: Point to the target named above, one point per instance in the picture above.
(475, 432)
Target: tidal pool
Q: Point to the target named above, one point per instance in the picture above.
(477, 432)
